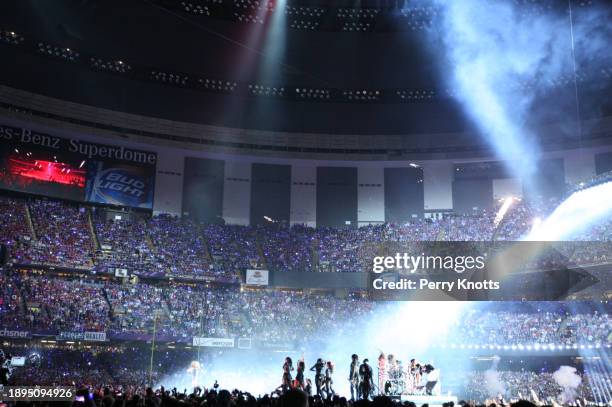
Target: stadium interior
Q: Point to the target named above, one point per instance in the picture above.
(306, 203)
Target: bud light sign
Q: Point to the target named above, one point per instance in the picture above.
(120, 184)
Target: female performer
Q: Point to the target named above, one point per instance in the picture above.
(299, 377)
(318, 369)
(382, 371)
(329, 371)
(194, 370)
(287, 369)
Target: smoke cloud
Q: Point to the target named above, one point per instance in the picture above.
(500, 56)
(493, 382)
(569, 380)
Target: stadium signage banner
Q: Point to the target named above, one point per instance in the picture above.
(7, 333)
(25, 137)
(95, 336)
(82, 336)
(257, 277)
(71, 168)
(70, 336)
(213, 342)
(276, 345)
(119, 184)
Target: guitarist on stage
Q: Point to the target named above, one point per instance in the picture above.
(354, 377)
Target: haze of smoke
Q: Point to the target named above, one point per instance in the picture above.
(494, 48)
(493, 382)
(569, 380)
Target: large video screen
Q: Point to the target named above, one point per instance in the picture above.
(73, 169)
(42, 172)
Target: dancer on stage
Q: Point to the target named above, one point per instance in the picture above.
(299, 377)
(318, 369)
(431, 380)
(382, 372)
(354, 377)
(329, 371)
(414, 376)
(287, 369)
(367, 380)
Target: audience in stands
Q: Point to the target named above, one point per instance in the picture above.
(165, 246)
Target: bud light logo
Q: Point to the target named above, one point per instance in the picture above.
(119, 186)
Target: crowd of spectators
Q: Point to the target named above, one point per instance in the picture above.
(11, 305)
(179, 311)
(524, 384)
(64, 305)
(123, 245)
(288, 248)
(180, 246)
(135, 307)
(541, 328)
(166, 246)
(233, 247)
(123, 372)
(64, 236)
(14, 221)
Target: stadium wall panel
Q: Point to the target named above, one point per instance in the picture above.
(270, 193)
(304, 195)
(370, 195)
(169, 183)
(330, 281)
(337, 196)
(237, 192)
(404, 194)
(603, 162)
(437, 184)
(203, 188)
(579, 166)
(472, 194)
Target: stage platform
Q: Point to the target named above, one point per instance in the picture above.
(419, 400)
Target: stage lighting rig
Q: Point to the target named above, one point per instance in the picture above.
(117, 66)
(217, 85)
(302, 11)
(361, 95)
(310, 93)
(416, 94)
(11, 37)
(67, 54)
(357, 13)
(169, 77)
(197, 9)
(261, 90)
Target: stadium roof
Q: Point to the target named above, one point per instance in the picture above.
(206, 61)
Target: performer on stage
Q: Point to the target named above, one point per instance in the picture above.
(318, 369)
(299, 377)
(393, 375)
(432, 378)
(329, 371)
(367, 382)
(382, 372)
(414, 376)
(287, 369)
(194, 369)
(354, 377)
